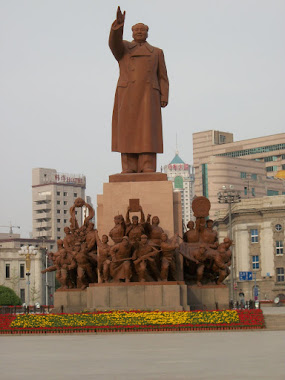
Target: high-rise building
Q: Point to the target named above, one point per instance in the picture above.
(249, 165)
(53, 194)
(182, 177)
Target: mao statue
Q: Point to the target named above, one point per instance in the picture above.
(142, 90)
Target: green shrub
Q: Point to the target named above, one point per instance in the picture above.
(8, 297)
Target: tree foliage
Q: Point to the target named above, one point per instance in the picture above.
(8, 297)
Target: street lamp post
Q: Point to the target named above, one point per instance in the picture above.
(229, 195)
(28, 252)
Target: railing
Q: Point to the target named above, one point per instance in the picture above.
(44, 309)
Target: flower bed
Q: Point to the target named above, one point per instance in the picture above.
(131, 321)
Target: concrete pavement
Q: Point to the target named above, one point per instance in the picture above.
(214, 355)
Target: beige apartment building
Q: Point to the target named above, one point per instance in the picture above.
(258, 228)
(13, 269)
(53, 194)
(249, 165)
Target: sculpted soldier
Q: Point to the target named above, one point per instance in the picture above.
(142, 90)
(200, 256)
(119, 230)
(85, 273)
(144, 260)
(153, 230)
(135, 229)
(120, 267)
(168, 263)
(104, 258)
(192, 235)
(209, 236)
(69, 239)
(64, 264)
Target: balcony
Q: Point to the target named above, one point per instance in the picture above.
(46, 224)
(42, 206)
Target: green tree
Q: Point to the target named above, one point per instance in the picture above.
(8, 297)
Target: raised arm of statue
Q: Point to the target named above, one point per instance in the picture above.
(116, 35)
(142, 216)
(128, 217)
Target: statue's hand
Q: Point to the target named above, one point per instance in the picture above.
(163, 104)
(120, 17)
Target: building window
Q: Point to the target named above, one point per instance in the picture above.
(271, 193)
(65, 211)
(222, 139)
(65, 220)
(75, 194)
(283, 156)
(58, 229)
(51, 246)
(58, 202)
(22, 295)
(279, 247)
(65, 203)
(58, 211)
(253, 192)
(242, 174)
(75, 212)
(245, 190)
(254, 176)
(278, 227)
(58, 193)
(280, 274)
(254, 236)
(58, 220)
(255, 262)
(22, 271)
(178, 182)
(283, 166)
(271, 168)
(7, 270)
(65, 194)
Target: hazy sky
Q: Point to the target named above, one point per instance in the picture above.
(225, 61)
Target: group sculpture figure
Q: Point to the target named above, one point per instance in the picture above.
(141, 252)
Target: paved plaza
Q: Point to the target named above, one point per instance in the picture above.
(206, 355)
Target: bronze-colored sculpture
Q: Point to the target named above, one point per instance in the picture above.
(144, 261)
(104, 258)
(135, 229)
(142, 90)
(120, 267)
(191, 235)
(85, 273)
(119, 230)
(205, 260)
(168, 263)
(153, 230)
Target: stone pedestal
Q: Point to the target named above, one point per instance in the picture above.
(138, 296)
(156, 196)
(70, 301)
(208, 297)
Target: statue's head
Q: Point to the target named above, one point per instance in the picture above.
(67, 230)
(164, 237)
(135, 220)
(125, 241)
(190, 225)
(140, 32)
(59, 243)
(77, 246)
(210, 223)
(118, 219)
(90, 226)
(105, 239)
(155, 220)
(144, 239)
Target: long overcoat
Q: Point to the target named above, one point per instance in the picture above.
(142, 85)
